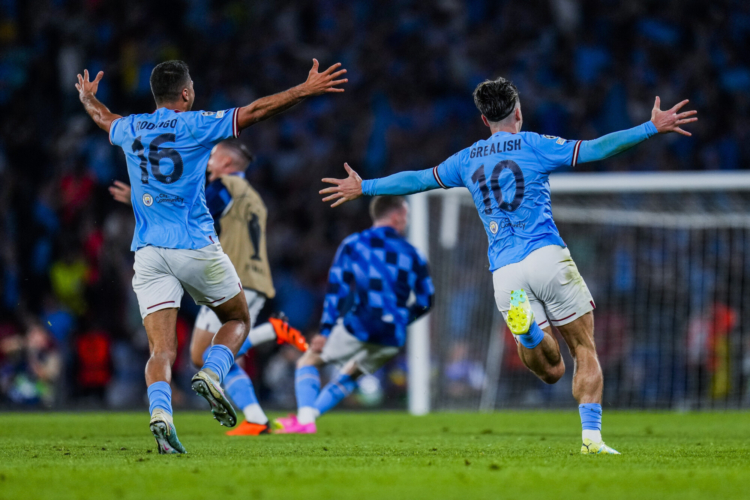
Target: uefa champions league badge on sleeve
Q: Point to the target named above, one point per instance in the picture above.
(148, 200)
(493, 227)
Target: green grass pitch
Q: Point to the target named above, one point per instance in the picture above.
(522, 455)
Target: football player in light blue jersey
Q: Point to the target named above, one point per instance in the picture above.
(174, 242)
(536, 282)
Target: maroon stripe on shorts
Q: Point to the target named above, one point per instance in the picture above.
(161, 304)
(566, 317)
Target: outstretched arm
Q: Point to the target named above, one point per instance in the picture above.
(662, 122)
(402, 183)
(316, 84)
(98, 112)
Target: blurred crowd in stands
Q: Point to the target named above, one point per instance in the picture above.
(70, 331)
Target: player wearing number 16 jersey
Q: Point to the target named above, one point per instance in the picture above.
(537, 284)
(175, 243)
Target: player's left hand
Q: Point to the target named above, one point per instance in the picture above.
(87, 88)
(325, 82)
(344, 189)
(120, 192)
(669, 120)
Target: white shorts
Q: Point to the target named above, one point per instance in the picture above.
(342, 347)
(556, 290)
(161, 273)
(209, 321)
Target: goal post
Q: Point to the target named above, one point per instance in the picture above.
(667, 258)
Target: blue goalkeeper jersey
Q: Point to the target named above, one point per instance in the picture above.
(370, 283)
(167, 153)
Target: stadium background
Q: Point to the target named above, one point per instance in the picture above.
(70, 332)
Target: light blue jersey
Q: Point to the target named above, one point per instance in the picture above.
(508, 177)
(167, 152)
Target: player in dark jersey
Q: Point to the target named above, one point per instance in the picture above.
(175, 243)
(537, 284)
(366, 311)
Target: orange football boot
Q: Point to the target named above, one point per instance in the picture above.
(250, 429)
(287, 333)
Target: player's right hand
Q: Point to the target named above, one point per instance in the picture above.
(344, 189)
(120, 192)
(325, 82)
(317, 343)
(669, 120)
(85, 87)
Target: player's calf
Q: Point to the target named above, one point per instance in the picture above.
(537, 348)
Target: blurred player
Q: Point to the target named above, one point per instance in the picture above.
(365, 314)
(537, 284)
(240, 221)
(174, 242)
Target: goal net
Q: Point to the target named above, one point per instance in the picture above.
(667, 259)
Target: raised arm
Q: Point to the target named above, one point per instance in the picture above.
(316, 84)
(402, 183)
(98, 112)
(662, 122)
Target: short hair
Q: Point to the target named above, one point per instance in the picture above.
(380, 206)
(168, 79)
(239, 150)
(496, 99)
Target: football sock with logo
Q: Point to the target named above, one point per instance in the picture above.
(239, 387)
(591, 421)
(258, 335)
(533, 338)
(159, 396)
(219, 359)
(334, 392)
(306, 388)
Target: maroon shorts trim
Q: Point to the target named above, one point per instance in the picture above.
(161, 304)
(563, 319)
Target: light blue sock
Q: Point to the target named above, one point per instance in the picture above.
(219, 359)
(160, 396)
(591, 421)
(533, 338)
(334, 392)
(246, 346)
(306, 386)
(239, 387)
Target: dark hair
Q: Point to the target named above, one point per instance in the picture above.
(239, 149)
(496, 99)
(380, 206)
(168, 79)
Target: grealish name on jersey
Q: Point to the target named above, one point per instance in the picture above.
(502, 147)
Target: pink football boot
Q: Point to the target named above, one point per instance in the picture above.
(290, 425)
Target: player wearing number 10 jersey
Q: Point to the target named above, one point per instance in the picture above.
(537, 284)
(175, 243)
